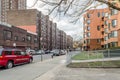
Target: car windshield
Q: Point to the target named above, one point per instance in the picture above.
(1, 51)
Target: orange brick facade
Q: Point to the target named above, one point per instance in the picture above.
(101, 29)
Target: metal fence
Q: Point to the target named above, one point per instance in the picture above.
(93, 56)
(69, 56)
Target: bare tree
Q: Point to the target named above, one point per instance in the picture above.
(75, 8)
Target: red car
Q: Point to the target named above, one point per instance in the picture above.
(11, 57)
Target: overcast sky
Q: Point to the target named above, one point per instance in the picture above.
(75, 30)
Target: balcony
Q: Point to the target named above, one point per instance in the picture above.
(102, 32)
(102, 25)
(102, 39)
(102, 18)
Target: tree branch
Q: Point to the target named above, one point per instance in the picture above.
(109, 4)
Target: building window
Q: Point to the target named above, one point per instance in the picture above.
(16, 38)
(7, 35)
(106, 14)
(88, 41)
(106, 23)
(106, 30)
(29, 38)
(88, 21)
(109, 15)
(23, 39)
(114, 23)
(98, 40)
(114, 34)
(109, 26)
(88, 28)
(85, 36)
(88, 15)
(84, 42)
(114, 11)
(98, 14)
(103, 14)
(114, 44)
(88, 34)
(35, 40)
(106, 38)
(109, 35)
(98, 28)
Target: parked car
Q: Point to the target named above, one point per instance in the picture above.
(39, 52)
(63, 52)
(30, 51)
(47, 51)
(12, 57)
(56, 52)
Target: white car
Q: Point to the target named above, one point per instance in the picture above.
(30, 51)
(56, 52)
(40, 52)
(63, 52)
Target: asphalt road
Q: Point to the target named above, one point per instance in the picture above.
(30, 71)
(33, 70)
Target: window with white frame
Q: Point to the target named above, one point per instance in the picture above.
(88, 34)
(114, 23)
(88, 28)
(106, 14)
(106, 30)
(114, 34)
(106, 38)
(103, 14)
(114, 11)
(88, 21)
(106, 23)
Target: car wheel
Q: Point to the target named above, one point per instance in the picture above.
(9, 65)
(30, 60)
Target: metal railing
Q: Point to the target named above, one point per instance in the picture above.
(101, 56)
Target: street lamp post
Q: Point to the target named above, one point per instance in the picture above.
(41, 48)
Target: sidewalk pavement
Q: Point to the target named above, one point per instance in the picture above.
(94, 60)
(61, 72)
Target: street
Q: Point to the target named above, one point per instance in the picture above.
(55, 69)
(30, 71)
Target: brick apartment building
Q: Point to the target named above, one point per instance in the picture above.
(64, 40)
(43, 31)
(101, 29)
(57, 38)
(48, 32)
(10, 35)
(69, 42)
(36, 26)
(31, 20)
(53, 35)
(34, 21)
(6, 5)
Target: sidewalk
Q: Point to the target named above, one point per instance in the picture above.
(61, 72)
(94, 60)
